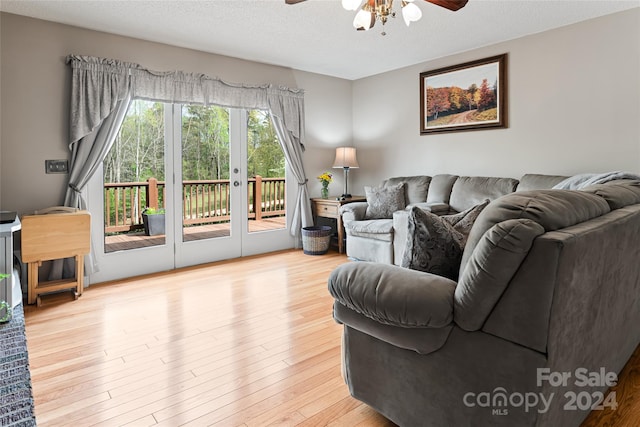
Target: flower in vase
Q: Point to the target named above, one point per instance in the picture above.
(325, 179)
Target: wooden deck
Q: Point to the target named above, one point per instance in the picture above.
(121, 242)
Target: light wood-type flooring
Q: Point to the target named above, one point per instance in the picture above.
(247, 342)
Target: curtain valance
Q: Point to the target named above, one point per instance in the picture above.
(99, 83)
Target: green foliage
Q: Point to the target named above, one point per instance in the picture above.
(205, 142)
(153, 211)
(138, 152)
(264, 153)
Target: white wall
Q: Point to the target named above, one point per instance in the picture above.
(574, 107)
(35, 88)
(328, 125)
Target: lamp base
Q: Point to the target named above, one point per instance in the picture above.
(345, 196)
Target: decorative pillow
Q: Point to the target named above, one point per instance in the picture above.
(433, 245)
(384, 201)
(463, 221)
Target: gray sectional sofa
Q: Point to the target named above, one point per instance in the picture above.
(382, 239)
(544, 314)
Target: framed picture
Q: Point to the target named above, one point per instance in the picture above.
(463, 97)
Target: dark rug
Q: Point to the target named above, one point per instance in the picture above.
(16, 398)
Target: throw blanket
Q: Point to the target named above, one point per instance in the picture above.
(577, 182)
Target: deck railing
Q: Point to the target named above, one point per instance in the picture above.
(203, 201)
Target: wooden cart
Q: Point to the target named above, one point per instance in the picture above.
(50, 237)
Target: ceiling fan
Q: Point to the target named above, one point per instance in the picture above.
(381, 10)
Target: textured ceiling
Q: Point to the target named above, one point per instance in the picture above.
(316, 35)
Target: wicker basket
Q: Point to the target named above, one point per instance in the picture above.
(315, 240)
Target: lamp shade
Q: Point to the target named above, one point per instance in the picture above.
(346, 158)
(351, 4)
(410, 12)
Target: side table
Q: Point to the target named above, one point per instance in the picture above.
(330, 208)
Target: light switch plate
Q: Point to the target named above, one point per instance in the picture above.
(56, 166)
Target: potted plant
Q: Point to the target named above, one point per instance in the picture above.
(153, 220)
(5, 307)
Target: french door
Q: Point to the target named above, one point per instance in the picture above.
(202, 171)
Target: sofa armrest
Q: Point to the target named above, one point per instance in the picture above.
(394, 296)
(401, 224)
(353, 211)
(437, 208)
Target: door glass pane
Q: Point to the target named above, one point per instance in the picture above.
(206, 198)
(134, 179)
(266, 172)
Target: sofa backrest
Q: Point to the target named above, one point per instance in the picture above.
(553, 209)
(440, 188)
(575, 296)
(534, 181)
(618, 193)
(415, 187)
(499, 248)
(469, 191)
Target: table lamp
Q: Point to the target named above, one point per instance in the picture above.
(346, 159)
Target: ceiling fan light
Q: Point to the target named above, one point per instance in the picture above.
(410, 12)
(351, 4)
(364, 20)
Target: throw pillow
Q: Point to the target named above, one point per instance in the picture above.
(433, 245)
(463, 221)
(384, 201)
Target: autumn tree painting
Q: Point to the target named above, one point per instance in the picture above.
(450, 105)
(463, 97)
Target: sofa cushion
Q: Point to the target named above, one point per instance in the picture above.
(493, 263)
(552, 209)
(384, 201)
(415, 188)
(432, 245)
(469, 191)
(378, 229)
(533, 181)
(617, 194)
(440, 188)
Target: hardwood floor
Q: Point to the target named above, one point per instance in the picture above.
(237, 343)
(247, 342)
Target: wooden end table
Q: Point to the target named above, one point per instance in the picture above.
(330, 208)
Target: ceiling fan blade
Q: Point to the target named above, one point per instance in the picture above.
(293, 1)
(449, 4)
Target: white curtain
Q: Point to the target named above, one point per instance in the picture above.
(302, 216)
(107, 87)
(102, 89)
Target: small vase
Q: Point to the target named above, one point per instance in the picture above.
(324, 192)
